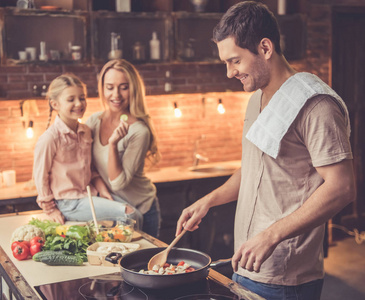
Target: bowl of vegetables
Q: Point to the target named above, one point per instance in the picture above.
(120, 231)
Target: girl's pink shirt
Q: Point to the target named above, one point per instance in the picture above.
(62, 163)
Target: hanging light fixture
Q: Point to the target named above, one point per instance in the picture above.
(29, 131)
(177, 111)
(220, 107)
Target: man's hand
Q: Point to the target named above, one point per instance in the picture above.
(192, 216)
(254, 252)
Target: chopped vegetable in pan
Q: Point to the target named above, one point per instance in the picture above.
(169, 269)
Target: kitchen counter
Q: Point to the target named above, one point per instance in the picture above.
(22, 276)
(26, 191)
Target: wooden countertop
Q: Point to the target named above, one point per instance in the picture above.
(27, 274)
(26, 267)
(168, 174)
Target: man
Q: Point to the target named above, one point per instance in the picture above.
(296, 170)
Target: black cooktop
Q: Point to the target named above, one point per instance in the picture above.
(104, 288)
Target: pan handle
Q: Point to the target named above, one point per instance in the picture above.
(220, 263)
(113, 257)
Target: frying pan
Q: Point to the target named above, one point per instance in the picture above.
(133, 262)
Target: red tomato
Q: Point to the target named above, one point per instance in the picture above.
(20, 242)
(181, 263)
(37, 240)
(21, 252)
(35, 248)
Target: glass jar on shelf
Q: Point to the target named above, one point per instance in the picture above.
(76, 53)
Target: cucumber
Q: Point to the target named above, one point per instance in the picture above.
(39, 255)
(58, 258)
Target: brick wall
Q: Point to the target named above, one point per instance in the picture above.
(177, 136)
(17, 81)
(191, 82)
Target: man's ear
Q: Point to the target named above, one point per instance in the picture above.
(266, 47)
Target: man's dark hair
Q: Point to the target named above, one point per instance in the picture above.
(248, 23)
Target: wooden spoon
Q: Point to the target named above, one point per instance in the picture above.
(92, 209)
(161, 257)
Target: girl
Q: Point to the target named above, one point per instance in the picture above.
(62, 161)
(120, 147)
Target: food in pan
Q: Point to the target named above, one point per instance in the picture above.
(169, 269)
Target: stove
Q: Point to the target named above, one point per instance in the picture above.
(112, 286)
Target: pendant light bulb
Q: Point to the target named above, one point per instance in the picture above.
(177, 111)
(30, 132)
(220, 107)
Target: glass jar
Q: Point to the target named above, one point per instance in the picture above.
(139, 53)
(76, 53)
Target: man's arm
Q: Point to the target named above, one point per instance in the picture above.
(337, 191)
(193, 215)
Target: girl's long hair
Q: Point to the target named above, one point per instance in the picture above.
(137, 100)
(58, 85)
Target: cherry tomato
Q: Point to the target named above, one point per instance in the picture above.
(20, 242)
(37, 240)
(181, 263)
(35, 248)
(21, 252)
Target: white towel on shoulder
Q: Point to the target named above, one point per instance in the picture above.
(274, 121)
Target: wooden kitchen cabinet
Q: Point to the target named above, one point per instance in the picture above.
(193, 36)
(131, 28)
(172, 197)
(215, 233)
(24, 28)
(183, 36)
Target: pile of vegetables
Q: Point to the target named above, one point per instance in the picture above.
(54, 244)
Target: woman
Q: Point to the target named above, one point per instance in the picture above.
(121, 144)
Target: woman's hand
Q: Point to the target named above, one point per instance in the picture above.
(119, 133)
(106, 195)
(56, 216)
(47, 206)
(129, 210)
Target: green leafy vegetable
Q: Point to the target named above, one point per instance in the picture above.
(48, 226)
(78, 232)
(71, 245)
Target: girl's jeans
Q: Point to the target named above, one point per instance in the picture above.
(80, 210)
(306, 291)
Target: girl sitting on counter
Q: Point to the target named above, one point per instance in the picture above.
(62, 161)
(121, 146)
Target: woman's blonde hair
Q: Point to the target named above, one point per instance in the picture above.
(137, 100)
(58, 85)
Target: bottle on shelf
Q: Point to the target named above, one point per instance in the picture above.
(115, 52)
(43, 56)
(155, 47)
